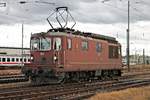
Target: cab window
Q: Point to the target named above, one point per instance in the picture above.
(57, 44)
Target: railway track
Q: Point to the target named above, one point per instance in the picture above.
(85, 92)
(71, 90)
(26, 84)
(30, 92)
(12, 79)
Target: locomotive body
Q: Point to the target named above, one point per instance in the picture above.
(63, 54)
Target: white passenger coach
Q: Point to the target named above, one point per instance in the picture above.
(12, 56)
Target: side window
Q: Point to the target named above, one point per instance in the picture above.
(13, 59)
(25, 60)
(8, 59)
(28, 60)
(84, 45)
(3, 59)
(69, 44)
(17, 59)
(98, 47)
(20, 59)
(0, 59)
(57, 44)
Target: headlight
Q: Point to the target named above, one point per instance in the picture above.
(32, 58)
(55, 58)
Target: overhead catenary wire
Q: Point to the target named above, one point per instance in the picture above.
(141, 14)
(125, 10)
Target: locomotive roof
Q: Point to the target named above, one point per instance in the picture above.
(66, 31)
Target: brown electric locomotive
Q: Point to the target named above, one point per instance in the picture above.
(65, 54)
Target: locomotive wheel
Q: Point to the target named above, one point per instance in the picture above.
(62, 77)
(39, 80)
(78, 76)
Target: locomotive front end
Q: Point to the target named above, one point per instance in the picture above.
(45, 58)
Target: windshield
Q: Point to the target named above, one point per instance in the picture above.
(41, 44)
(35, 44)
(45, 44)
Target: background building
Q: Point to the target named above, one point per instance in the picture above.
(137, 59)
(14, 51)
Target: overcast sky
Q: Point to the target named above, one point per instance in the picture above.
(107, 17)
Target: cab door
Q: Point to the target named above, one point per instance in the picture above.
(58, 53)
